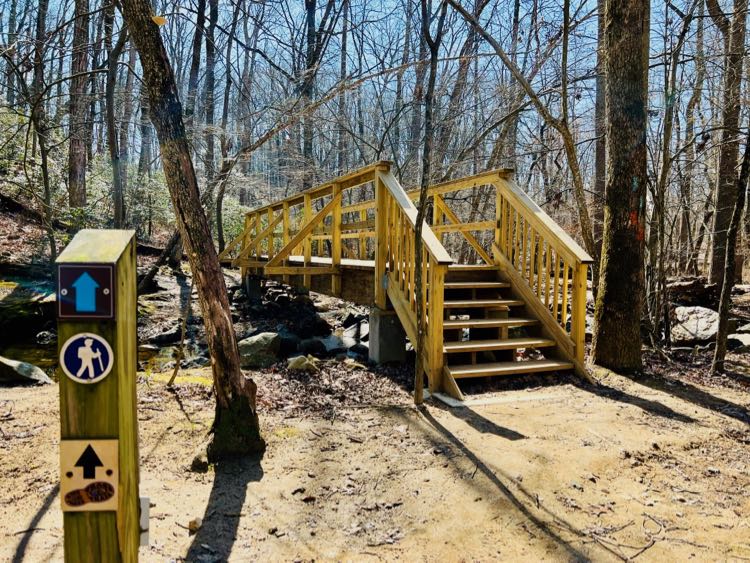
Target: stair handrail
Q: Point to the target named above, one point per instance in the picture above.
(395, 271)
(546, 266)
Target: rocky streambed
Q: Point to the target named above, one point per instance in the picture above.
(277, 323)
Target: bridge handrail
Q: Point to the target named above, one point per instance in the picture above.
(547, 267)
(396, 269)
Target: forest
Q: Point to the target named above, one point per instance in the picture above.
(543, 203)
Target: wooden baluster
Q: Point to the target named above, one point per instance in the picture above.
(362, 238)
(285, 233)
(564, 312)
(532, 257)
(508, 230)
(307, 244)
(516, 240)
(435, 326)
(578, 311)
(556, 287)
(243, 269)
(498, 217)
(547, 275)
(539, 255)
(524, 248)
(269, 218)
(336, 241)
(381, 241)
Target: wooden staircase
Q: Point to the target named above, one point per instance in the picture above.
(516, 306)
(487, 332)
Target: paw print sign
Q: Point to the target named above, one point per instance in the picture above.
(86, 358)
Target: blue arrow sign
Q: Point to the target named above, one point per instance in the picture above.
(85, 287)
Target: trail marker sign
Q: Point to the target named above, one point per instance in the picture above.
(90, 475)
(86, 291)
(97, 339)
(86, 357)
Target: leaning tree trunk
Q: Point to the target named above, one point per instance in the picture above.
(617, 339)
(235, 428)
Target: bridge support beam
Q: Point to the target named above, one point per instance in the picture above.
(387, 337)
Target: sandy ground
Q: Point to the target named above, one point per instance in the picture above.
(560, 473)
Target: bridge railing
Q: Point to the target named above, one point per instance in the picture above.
(396, 271)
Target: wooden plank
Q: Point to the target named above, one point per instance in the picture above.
(336, 240)
(450, 386)
(285, 230)
(437, 274)
(477, 285)
(490, 345)
(306, 241)
(508, 368)
(509, 322)
(381, 241)
(301, 270)
(235, 241)
(578, 311)
(488, 303)
(564, 312)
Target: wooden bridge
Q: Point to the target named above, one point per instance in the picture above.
(513, 281)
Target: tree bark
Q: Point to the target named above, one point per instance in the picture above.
(118, 194)
(235, 428)
(733, 32)
(720, 353)
(78, 152)
(619, 304)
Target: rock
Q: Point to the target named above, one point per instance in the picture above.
(312, 346)
(744, 329)
(312, 325)
(358, 331)
(260, 351)
(739, 342)
(169, 336)
(200, 461)
(147, 351)
(353, 318)
(303, 363)
(46, 337)
(194, 525)
(694, 324)
(693, 291)
(21, 373)
(289, 341)
(360, 351)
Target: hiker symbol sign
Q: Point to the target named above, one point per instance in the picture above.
(86, 358)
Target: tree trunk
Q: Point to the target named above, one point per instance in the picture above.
(600, 130)
(235, 429)
(733, 32)
(195, 65)
(118, 194)
(225, 142)
(78, 152)
(617, 339)
(729, 262)
(209, 102)
(127, 116)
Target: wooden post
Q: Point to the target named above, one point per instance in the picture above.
(245, 240)
(97, 340)
(285, 232)
(269, 218)
(336, 241)
(363, 238)
(578, 311)
(381, 238)
(307, 244)
(435, 323)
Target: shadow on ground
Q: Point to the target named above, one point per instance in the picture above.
(221, 520)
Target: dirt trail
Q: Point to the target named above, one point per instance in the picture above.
(556, 473)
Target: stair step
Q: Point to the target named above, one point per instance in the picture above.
(476, 285)
(471, 303)
(507, 368)
(472, 267)
(488, 323)
(490, 345)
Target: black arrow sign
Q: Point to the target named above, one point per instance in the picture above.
(89, 461)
